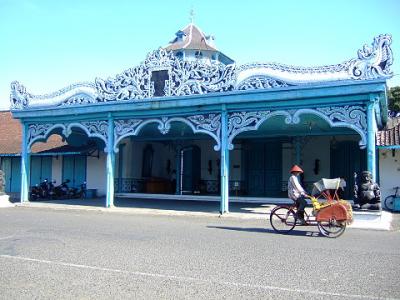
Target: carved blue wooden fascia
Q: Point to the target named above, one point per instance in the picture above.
(350, 116)
(75, 94)
(40, 132)
(196, 77)
(353, 117)
(184, 78)
(371, 63)
(244, 121)
(209, 124)
(255, 82)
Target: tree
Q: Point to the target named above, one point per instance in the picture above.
(394, 99)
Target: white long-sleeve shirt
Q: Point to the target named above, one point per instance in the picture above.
(295, 190)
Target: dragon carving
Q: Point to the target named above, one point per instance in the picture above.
(18, 96)
(372, 63)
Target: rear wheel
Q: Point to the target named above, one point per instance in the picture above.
(282, 219)
(389, 202)
(331, 228)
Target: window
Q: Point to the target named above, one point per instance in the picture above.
(159, 78)
(179, 54)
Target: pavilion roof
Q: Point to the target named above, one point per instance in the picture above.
(192, 38)
(389, 136)
(11, 137)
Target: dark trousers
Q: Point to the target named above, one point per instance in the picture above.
(301, 203)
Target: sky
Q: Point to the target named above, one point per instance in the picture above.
(47, 45)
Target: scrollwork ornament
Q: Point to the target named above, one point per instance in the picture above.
(41, 131)
(97, 128)
(132, 84)
(191, 77)
(371, 63)
(196, 77)
(125, 127)
(244, 121)
(210, 122)
(355, 115)
(261, 82)
(38, 131)
(375, 61)
(79, 100)
(164, 126)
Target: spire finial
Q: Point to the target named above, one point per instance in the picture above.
(192, 15)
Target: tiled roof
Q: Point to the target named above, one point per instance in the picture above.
(193, 39)
(390, 136)
(11, 137)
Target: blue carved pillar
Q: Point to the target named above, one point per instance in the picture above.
(110, 163)
(25, 165)
(371, 130)
(224, 163)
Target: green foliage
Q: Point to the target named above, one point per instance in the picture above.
(394, 99)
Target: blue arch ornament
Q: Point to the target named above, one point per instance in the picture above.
(40, 132)
(353, 117)
(209, 124)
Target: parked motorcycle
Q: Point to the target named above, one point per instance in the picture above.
(62, 191)
(44, 190)
(48, 190)
(35, 193)
(79, 192)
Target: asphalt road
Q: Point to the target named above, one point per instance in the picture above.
(57, 254)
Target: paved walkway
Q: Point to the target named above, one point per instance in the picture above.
(256, 211)
(161, 207)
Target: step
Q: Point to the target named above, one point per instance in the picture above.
(378, 220)
(5, 201)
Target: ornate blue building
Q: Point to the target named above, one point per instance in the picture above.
(188, 120)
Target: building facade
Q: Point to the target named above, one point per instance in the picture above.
(188, 120)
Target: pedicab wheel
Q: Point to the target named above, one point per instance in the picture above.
(332, 228)
(282, 219)
(389, 202)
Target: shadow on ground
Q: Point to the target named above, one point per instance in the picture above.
(268, 230)
(164, 204)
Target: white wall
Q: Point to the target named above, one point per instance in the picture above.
(56, 169)
(208, 154)
(316, 148)
(312, 148)
(389, 171)
(96, 174)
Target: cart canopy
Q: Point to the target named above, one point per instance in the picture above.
(328, 184)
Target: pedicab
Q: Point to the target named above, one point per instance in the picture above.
(329, 213)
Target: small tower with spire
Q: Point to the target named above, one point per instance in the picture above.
(192, 16)
(190, 43)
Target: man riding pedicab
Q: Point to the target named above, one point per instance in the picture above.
(297, 193)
